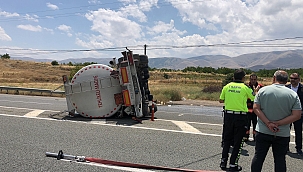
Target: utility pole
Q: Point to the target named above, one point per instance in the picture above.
(144, 49)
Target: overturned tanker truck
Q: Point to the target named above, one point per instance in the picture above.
(101, 91)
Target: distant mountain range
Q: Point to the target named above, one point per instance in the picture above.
(254, 61)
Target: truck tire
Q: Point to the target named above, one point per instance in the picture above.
(143, 61)
(143, 58)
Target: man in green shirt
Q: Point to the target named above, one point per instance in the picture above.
(276, 107)
(234, 96)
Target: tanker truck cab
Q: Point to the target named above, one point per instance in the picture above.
(100, 91)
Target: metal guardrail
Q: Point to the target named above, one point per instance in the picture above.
(31, 90)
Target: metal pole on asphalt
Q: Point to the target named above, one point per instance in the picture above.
(153, 111)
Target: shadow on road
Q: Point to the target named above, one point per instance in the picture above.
(125, 120)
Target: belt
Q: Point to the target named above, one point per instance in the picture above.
(235, 112)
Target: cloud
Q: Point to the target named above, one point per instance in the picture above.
(94, 2)
(31, 17)
(137, 10)
(52, 6)
(94, 42)
(66, 29)
(134, 11)
(127, 1)
(161, 27)
(4, 36)
(146, 5)
(30, 28)
(237, 21)
(7, 14)
(114, 26)
(26, 16)
(219, 22)
(49, 30)
(270, 8)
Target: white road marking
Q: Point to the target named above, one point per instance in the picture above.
(191, 122)
(114, 125)
(98, 122)
(215, 115)
(186, 127)
(34, 113)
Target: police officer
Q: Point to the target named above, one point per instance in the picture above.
(234, 96)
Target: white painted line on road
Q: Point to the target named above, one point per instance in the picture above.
(98, 122)
(25, 102)
(186, 127)
(191, 122)
(114, 125)
(34, 113)
(218, 115)
(125, 126)
(6, 107)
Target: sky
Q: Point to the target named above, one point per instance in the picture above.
(62, 29)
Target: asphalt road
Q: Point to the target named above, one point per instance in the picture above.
(180, 137)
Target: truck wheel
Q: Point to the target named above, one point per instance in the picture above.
(136, 56)
(143, 58)
(143, 61)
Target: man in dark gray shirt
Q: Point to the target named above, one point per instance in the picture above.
(276, 107)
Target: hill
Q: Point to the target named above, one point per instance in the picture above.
(254, 61)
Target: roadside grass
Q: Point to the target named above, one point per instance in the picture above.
(176, 92)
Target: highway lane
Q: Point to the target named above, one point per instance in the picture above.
(167, 141)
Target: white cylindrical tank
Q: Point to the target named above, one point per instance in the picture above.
(93, 90)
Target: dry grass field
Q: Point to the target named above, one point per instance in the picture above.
(164, 86)
(28, 74)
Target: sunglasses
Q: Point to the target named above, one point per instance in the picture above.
(294, 78)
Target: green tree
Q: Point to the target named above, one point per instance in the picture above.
(54, 63)
(70, 64)
(5, 56)
(228, 79)
(74, 71)
(166, 76)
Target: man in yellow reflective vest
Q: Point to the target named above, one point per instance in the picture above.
(234, 96)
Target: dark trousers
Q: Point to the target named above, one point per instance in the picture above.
(252, 118)
(298, 133)
(279, 148)
(234, 129)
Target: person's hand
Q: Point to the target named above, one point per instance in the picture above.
(256, 89)
(273, 127)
